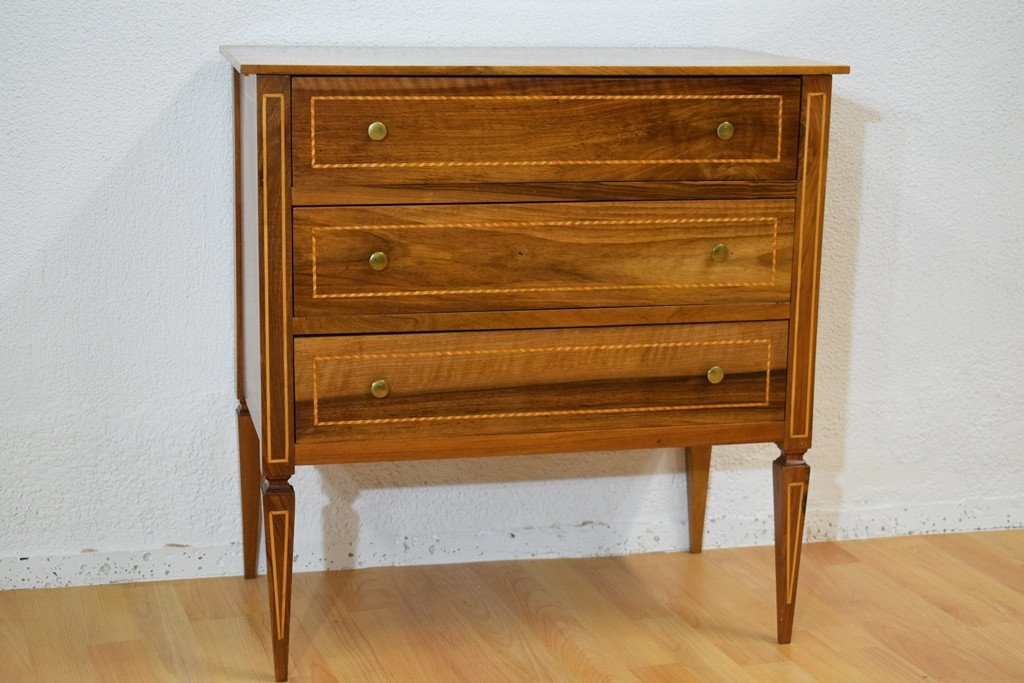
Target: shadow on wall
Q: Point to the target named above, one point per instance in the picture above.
(455, 480)
(840, 249)
(828, 453)
(343, 485)
(844, 203)
(122, 334)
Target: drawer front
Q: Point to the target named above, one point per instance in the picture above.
(531, 256)
(509, 382)
(473, 130)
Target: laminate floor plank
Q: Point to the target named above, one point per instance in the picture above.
(696, 658)
(631, 646)
(127, 660)
(731, 615)
(581, 651)
(954, 584)
(612, 577)
(166, 628)
(15, 650)
(997, 560)
(515, 653)
(829, 657)
(945, 607)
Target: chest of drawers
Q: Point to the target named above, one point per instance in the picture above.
(453, 253)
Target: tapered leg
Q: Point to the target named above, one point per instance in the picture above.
(698, 462)
(790, 475)
(279, 522)
(249, 476)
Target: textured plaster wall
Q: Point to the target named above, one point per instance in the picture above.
(117, 431)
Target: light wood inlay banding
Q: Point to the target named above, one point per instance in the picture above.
(794, 533)
(265, 202)
(538, 413)
(543, 162)
(493, 130)
(537, 349)
(807, 265)
(766, 220)
(279, 451)
(481, 257)
(318, 360)
(279, 578)
(819, 221)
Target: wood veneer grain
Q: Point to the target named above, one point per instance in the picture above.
(532, 443)
(555, 317)
(496, 383)
(697, 463)
(814, 123)
(478, 193)
(542, 129)
(273, 111)
(480, 257)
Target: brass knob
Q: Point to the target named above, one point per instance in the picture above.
(378, 260)
(725, 130)
(719, 253)
(377, 131)
(380, 388)
(716, 374)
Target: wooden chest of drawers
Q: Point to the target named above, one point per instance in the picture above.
(451, 253)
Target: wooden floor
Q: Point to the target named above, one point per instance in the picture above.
(926, 607)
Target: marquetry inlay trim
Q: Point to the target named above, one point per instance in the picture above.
(765, 220)
(545, 162)
(281, 190)
(266, 256)
(317, 360)
(809, 218)
(794, 532)
(279, 563)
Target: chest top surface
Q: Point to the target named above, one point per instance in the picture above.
(517, 61)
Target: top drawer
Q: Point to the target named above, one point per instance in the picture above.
(542, 129)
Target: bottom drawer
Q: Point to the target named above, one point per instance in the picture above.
(354, 388)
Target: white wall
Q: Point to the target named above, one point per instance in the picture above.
(117, 431)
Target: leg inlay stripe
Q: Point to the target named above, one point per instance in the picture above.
(794, 532)
(279, 568)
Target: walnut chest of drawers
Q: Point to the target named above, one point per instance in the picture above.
(465, 252)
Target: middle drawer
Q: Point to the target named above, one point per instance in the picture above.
(474, 257)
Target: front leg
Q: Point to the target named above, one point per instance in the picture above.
(249, 476)
(698, 463)
(790, 475)
(279, 522)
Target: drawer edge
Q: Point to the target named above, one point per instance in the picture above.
(329, 194)
(537, 319)
(383, 450)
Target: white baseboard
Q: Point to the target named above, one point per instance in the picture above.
(587, 539)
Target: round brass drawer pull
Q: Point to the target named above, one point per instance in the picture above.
(377, 131)
(725, 130)
(380, 388)
(719, 253)
(378, 260)
(716, 374)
